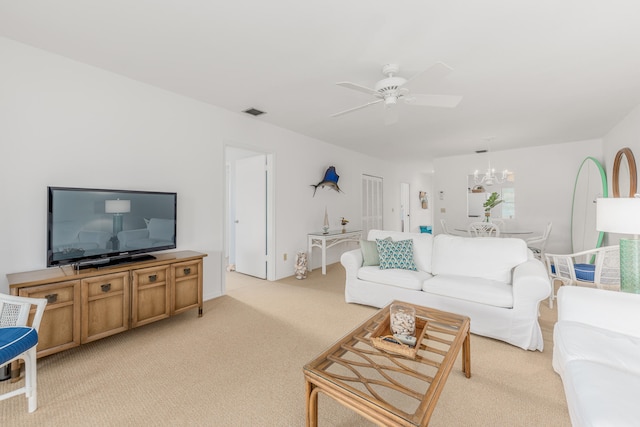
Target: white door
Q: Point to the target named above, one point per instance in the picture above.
(405, 216)
(251, 216)
(371, 204)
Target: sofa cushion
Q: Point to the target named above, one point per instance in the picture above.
(585, 272)
(422, 245)
(370, 254)
(476, 289)
(575, 341)
(489, 257)
(394, 277)
(396, 254)
(601, 395)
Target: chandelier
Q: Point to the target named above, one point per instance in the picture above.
(489, 177)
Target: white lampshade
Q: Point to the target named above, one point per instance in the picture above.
(117, 206)
(618, 215)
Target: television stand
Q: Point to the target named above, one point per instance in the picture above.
(93, 303)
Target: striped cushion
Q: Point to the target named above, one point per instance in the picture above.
(15, 340)
(585, 272)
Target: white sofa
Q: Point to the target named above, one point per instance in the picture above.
(596, 348)
(494, 281)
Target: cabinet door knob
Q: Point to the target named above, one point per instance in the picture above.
(106, 287)
(51, 298)
(187, 270)
(153, 277)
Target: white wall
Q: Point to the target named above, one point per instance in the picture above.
(625, 134)
(544, 181)
(63, 123)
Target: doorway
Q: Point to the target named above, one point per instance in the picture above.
(371, 204)
(405, 215)
(249, 203)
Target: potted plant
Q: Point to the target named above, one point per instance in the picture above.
(344, 223)
(492, 201)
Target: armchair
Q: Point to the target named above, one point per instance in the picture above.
(18, 341)
(595, 268)
(537, 244)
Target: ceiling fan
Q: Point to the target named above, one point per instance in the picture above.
(393, 88)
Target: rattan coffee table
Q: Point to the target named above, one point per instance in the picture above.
(387, 388)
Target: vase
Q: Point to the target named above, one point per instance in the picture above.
(301, 265)
(403, 319)
(325, 224)
(487, 217)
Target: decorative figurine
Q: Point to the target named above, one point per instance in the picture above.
(301, 265)
(330, 180)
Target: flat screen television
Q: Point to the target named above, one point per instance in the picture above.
(92, 227)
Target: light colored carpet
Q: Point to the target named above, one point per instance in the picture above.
(241, 365)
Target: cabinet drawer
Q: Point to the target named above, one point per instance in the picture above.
(55, 295)
(186, 270)
(100, 286)
(150, 276)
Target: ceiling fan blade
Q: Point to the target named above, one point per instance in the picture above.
(434, 73)
(356, 108)
(358, 88)
(443, 101)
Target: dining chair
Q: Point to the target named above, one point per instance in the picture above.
(445, 230)
(537, 244)
(594, 268)
(19, 341)
(484, 229)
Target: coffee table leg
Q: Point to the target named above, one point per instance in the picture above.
(466, 355)
(311, 404)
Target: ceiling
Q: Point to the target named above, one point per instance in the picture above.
(532, 72)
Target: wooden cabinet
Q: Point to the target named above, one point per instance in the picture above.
(105, 306)
(87, 305)
(151, 295)
(186, 291)
(60, 325)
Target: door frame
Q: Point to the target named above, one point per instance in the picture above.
(270, 210)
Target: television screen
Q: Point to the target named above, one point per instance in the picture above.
(97, 226)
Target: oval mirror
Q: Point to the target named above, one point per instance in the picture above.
(591, 183)
(624, 180)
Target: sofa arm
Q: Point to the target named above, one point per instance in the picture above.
(530, 282)
(352, 261)
(616, 311)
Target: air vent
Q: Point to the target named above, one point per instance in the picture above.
(253, 111)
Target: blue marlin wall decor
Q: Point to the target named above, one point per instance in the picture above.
(330, 180)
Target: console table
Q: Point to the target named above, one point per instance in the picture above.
(328, 240)
(90, 304)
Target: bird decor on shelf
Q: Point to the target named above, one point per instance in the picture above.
(330, 180)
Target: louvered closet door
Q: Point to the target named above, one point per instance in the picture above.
(371, 204)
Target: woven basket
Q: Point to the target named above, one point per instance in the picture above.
(384, 330)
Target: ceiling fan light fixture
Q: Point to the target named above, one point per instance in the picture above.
(391, 100)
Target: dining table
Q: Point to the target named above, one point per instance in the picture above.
(515, 232)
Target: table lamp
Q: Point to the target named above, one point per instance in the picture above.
(622, 215)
